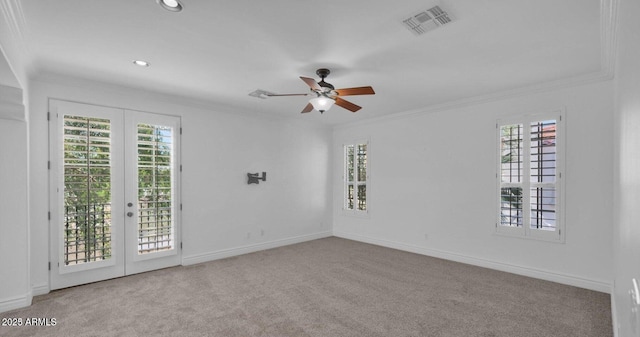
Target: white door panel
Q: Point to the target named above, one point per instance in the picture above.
(152, 183)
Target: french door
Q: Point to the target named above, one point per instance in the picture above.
(114, 192)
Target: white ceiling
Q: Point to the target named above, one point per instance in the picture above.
(220, 51)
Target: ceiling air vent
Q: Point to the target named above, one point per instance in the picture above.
(427, 20)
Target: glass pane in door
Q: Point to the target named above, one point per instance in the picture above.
(155, 196)
(87, 189)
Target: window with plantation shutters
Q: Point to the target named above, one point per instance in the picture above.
(87, 189)
(529, 177)
(355, 177)
(155, 204)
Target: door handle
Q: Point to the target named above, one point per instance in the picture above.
(129, 214)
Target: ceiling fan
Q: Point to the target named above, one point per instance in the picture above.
(325, 94)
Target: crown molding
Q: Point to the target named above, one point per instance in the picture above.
(13, 30)
(608, 35)
(493, 97)
(14, 17)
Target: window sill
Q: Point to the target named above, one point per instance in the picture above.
(356, 214)
(549, 238)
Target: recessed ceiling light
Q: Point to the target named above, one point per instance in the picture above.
(141, 63)
(171, 5)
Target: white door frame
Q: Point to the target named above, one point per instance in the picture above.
(124, 259)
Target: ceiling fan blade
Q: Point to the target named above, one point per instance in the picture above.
(311, 83)
(347, 105)
(355, 91)
(307, 108)
(276, 95)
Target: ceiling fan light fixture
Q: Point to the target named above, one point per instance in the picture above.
(171, 5)
(322, 103)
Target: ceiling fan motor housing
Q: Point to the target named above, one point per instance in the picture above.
(324, 72)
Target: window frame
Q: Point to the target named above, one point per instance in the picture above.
(345, 180)
(525, 231)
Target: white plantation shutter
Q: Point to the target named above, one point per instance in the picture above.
(529, 183)
(355, 177)
(87, 189)
(511, 167)
(543, 175)
(155, 186)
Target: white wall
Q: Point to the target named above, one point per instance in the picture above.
(434, 173)
(14, 253)
(14, 212)
(626, 236)
(222, 215)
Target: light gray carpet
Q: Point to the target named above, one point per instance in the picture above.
(327, 287)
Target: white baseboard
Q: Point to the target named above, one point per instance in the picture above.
(224, 253)
(519, 270)
(41, 289)
(15, 303)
